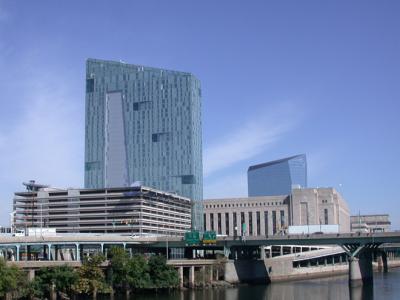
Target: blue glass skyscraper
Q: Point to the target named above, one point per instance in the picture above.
(144, 124)
(277, 177)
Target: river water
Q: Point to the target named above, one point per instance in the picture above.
(385, 286)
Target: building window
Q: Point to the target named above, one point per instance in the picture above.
(227, 223)
(326, 216)
(90, 85)
(258, 223)
(274, 227)
(212, 221)
(250, 223)
(204, 221)
(242, 223)
(188, 179)
(282, 218)
(266, 222)
(235, 224)
(219, 223)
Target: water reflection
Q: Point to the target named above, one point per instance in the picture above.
(385, 286)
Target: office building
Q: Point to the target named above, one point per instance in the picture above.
(253, 216)
(370, 223)
(277, 177)
(309, 209)
(127, 210)
(319, 206)
(144, 125)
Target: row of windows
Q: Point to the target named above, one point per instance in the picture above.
(243, 204)
(245, 228)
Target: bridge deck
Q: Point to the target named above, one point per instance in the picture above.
(312, 239)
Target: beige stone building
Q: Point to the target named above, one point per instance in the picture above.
(370, 223)
(271, 215)
(315, 206)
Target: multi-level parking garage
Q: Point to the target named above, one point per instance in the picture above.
(130, 210)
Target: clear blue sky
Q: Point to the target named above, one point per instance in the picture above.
(278, 78)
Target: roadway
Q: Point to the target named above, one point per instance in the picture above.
(222, 242)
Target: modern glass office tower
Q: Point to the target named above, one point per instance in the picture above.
(144, 125)
(277, 177)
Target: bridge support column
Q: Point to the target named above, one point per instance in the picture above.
(31, 275)
(180, 272)
(78, 252)
(204, 275)
(382, 262)
(17, 253)
(49, 252)
(360, 269)
(227, 251)
(262, 252)
(191, 276)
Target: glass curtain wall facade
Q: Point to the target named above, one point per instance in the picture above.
(144, 124)
(277, 177)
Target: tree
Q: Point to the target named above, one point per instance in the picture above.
(128, 272)
(62, 277)
(12, 279)
(118, 266)
(138, 275)
(162, 275)
(91, 277)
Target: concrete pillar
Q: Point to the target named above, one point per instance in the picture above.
(360, 270)
(223, 224)
(102, 248)
(227, 252)
(17, 254)
(53, 292)
(385, 262)
(216, 274)
(31, 275)
(78, 254)
(191, 276)
(246, 220)
(180, 272)
(380, 262)
(210, 278)
(49, 252)
(231, 226)
(204, 274)
(262, 252)
(281, 250)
